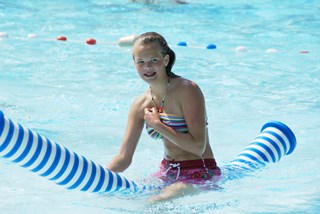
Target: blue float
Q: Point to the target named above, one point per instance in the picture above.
(182, 44)
(65, 167)
(211, 46)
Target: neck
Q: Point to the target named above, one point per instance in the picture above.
(161, 101)
(160, 88)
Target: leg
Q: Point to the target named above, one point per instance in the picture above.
(172, 191)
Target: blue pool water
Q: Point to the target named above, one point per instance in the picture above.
(79, 95)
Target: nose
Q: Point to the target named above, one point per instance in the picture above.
(147, 66)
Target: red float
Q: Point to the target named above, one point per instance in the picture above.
(91, 41)
(62, 38)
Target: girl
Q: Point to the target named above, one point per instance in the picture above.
(173, 110)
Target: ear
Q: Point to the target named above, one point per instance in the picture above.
(166, 59)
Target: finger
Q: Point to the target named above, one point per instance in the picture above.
(147, 110)
(154, 110)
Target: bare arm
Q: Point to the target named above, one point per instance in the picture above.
(193, 109)
(132, 135)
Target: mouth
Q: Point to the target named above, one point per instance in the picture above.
(152, 74)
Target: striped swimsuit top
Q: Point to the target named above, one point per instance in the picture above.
(176, 122)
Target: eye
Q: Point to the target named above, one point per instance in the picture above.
(139, 62)
(154, 60)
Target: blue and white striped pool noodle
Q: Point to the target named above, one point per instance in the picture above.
(55, 162)
(65, 167)
(274, 141)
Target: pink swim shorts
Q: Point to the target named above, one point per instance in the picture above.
(190, 171)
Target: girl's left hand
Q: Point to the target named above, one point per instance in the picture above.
(151, 116)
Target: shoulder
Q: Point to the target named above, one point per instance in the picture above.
(192, 102)
(142, 99)
(140, 103)
(185, 87)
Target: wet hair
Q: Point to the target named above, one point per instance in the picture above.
(153, 37)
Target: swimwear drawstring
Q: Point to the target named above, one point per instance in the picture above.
(172, 166)
(204, 165)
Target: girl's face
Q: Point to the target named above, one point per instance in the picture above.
(149, 62)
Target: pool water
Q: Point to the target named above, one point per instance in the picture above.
(79, 95)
